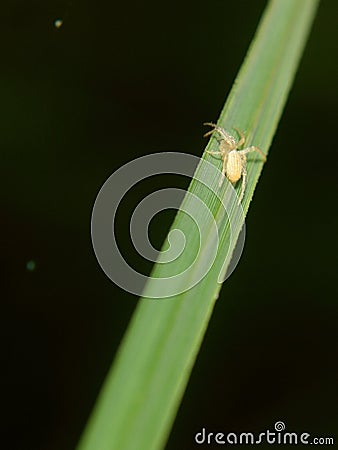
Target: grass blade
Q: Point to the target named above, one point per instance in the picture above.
(142, 392)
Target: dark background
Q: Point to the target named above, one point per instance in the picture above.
(118, 81)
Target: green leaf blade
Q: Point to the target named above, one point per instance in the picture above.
(142, 392)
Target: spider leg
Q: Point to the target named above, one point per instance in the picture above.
(213, 153)
(217, 129)
(253, 148)
(244, 176)
(225, 160)
(241, 136)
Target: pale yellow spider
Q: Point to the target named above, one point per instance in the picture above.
(234, 160)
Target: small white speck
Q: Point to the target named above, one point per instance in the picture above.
(58, 23)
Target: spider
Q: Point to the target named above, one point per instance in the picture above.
(234, 160)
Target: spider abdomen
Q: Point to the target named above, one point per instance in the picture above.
(234, 166)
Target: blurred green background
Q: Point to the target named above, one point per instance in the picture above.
(115, 82)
